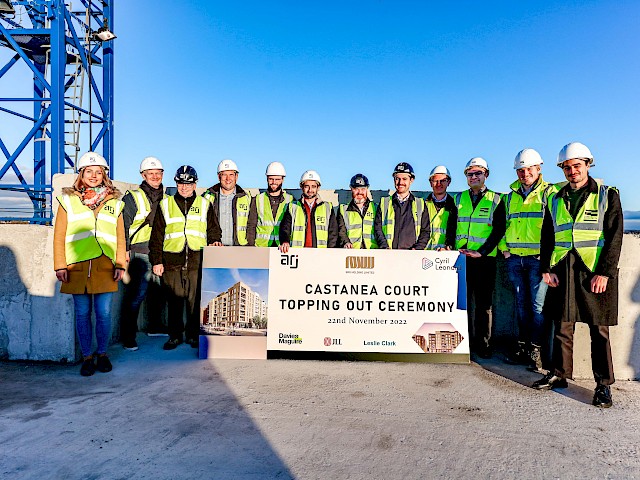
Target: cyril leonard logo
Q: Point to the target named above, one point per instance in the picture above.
(426, 264)
(328, 341)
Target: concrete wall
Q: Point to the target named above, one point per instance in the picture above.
(36, 322)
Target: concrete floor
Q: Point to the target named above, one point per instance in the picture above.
(167, 415)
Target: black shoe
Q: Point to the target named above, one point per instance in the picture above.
(88, 367)
(132, 345)
(172, 343)
(518, 357)
(549, 382)
(602, 397)
(193, 342)
(485, 352)
(103, 364)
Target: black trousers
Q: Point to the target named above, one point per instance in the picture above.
(181, 288)
(481, 281)
(142, 284)
(601, 361)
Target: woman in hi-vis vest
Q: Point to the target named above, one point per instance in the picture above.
(89, 254)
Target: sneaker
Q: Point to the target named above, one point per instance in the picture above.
(132, 346)
(602, 397)
(194, 342)
(172, 343)
(103, 364)
(88, 367)
(535, 360)
(549, 382)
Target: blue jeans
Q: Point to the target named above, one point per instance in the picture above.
(530, 290)
(102, 305)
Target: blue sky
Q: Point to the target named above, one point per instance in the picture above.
(358, 86)
(218, 280)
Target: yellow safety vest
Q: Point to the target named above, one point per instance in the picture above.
(242, 214)
(584, 234)
(524, 219)
(475, 224)
(438, 222)
(268, 228)
(322, 215)
(179, 229)
(88, 236)
(142, 211)
(389, 217)
(360, 229)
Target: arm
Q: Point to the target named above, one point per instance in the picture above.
(613, 228)
(156, 241)
(425, 231)
(452, 224)
(286, 227)
(252, 222)
(214, 232)
(497, 232)
(59, 239)
(343, 238)
(332, 241)
(377, 229)
(129, 212)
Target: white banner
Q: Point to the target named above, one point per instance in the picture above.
(368, 301)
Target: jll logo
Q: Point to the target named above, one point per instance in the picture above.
(360, 262)
(328, 341)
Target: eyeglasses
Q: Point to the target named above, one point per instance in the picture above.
(474, 174)
(440, 181)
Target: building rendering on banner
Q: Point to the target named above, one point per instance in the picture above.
(236, 307)
(441, 341)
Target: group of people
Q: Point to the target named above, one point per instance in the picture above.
(566, 236)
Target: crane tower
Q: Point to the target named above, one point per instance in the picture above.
(56, 97)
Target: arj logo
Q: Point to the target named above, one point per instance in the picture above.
(426, 263)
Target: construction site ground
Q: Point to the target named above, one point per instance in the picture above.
(167, 415)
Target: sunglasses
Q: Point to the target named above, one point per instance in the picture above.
(474, 174)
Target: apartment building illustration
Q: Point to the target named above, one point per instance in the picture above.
(440, 341)
(235, 308)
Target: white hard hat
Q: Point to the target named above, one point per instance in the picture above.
(575, 150)
(276, 168)
(440, 169)
(92, 158)
(476, 162)
(527, 158)
(225, 165)
(310, 175)
(151, 163)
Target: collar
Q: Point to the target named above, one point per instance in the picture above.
(591, 186)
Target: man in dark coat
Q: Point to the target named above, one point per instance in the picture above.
(580, 249)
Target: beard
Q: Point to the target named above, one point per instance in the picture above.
(273, 189)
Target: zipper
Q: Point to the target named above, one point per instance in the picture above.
(89, 276)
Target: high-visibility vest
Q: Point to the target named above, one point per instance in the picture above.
(584, 234)
(322, 215)
(142, 212)
(89, 236)
(475, 224)
(524, 219)
(241, 212)
(360, 229)
(179, 229)
(438, 222)
(389, 217)
(268, 228)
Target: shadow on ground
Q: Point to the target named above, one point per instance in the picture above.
(156, 415)
(519, 374)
